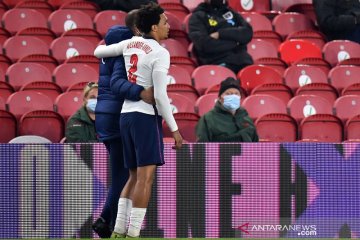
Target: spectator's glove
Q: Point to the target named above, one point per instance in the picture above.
(357, 17)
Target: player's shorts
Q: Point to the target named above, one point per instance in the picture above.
(142, 139)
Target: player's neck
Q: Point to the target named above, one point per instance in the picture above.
(151, 36)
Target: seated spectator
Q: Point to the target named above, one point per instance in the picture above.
(220, 35)
(227, 121)
(123, 5)
(339, 19)
(81, 126)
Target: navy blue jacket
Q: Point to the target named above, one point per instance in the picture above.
(114, 87)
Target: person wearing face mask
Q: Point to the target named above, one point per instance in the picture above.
(220, 35)
(81, 126)
(227, 121)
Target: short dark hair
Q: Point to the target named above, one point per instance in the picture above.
(130, 19)
(147, 16)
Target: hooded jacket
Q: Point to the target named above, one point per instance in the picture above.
(114, 87)
(219, 125)
(80, 128)
(234, 34)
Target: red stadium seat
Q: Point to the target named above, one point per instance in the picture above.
(108, 18)
(90, 8)
(67, 103)
(353, 89)
(339, 50)
(302, 106)
(257, 21)
(344, 76)
(186, 123)
(208, 75)
(89, 34)
(282, 5)
(180, 103)
(313, 36)
(21, 102)
(22, 73)
(286, 23)
(185, 62)
(315, 61)
(174, 21)
(5, 62)
(190, 4)
(324, 90)
(250, 6)
(4, 35)
(63, 48)
(351, 61)
(277, 127)
(255, 75)
(180, 36)
(17, 19)
(44, 59)
(57, 3)
(50, 89)
(40, 6)
(3, 9)
(178, 9)
(67, 74)
(42, 33)
(44, 123)
(322, 127)
(275, 63)
(295, 49)
(296, 76)
(178, 74)
(259, 105)
(205, 103)
(352, 128)
(90, 60)
(63, 20)
(304, 8)
(8, 126)
(6, 90)
(269, 36)
(20, 46)
(277, 90)
(2, 103)
(347, 106)
(79, 87)
(184, 89)
(259, 48)
(174, 47)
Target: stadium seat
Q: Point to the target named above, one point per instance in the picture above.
(174, 21)
(42, 33)
(178, 9)
(322, 127)
(344, 76)
(63, 48)
(302, 106)
(21, 102)
(108, 18)
(324, 90)
(315, 61)
(205, 103)
(67, 74)
(347, 106)
(185, 62)
(281, 5)
(26, 139)
(10, 3)
(174, 47)
(255, 75)
(250, 6)
(5, 62)
(269, 36)
(17, 19)
(208, 75)
(2, 103)
(180, 36)
(3, 9)
(190, 4)
(44, 123)
(185, 23)
(351, 61)
(339, 50)
(8, 126)
(297, 76)
(79, 87)
(178, 74)
(57, 3)
(305, 8)
(50, 89)
(186, 123)
(313, 36)
(21, 73)
(259, 105)
(257, 21)
(90, 60)
(259, 48)
(63, 20)
(17, 47)
(352, 128)
(353, 89)
(286, 23)
(89, 34)
(184, 89)
(295, 49)
(277, 90)
(276, 127)
(67, 103)
(4, 35)
(44, 59)
(40, 6)
(6, 90)
(90, 8)
(275, 63)
(180, 103)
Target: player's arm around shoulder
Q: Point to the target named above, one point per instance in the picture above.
(113, 50)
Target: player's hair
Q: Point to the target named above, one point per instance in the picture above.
(147, 16)
(131, 18)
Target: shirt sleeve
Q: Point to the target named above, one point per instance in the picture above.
(113, 50)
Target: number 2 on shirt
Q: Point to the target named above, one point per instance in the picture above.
(133, 61)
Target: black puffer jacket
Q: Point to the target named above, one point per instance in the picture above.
(234, 34)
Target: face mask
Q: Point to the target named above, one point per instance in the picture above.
(91, 104)
(231, 102)
(217, 3)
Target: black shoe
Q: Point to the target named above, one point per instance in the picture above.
(101, 228)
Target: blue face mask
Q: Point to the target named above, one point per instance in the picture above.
(91, 104)
(231, 102)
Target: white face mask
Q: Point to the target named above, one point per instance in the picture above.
(91, 104)
(232, 102)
